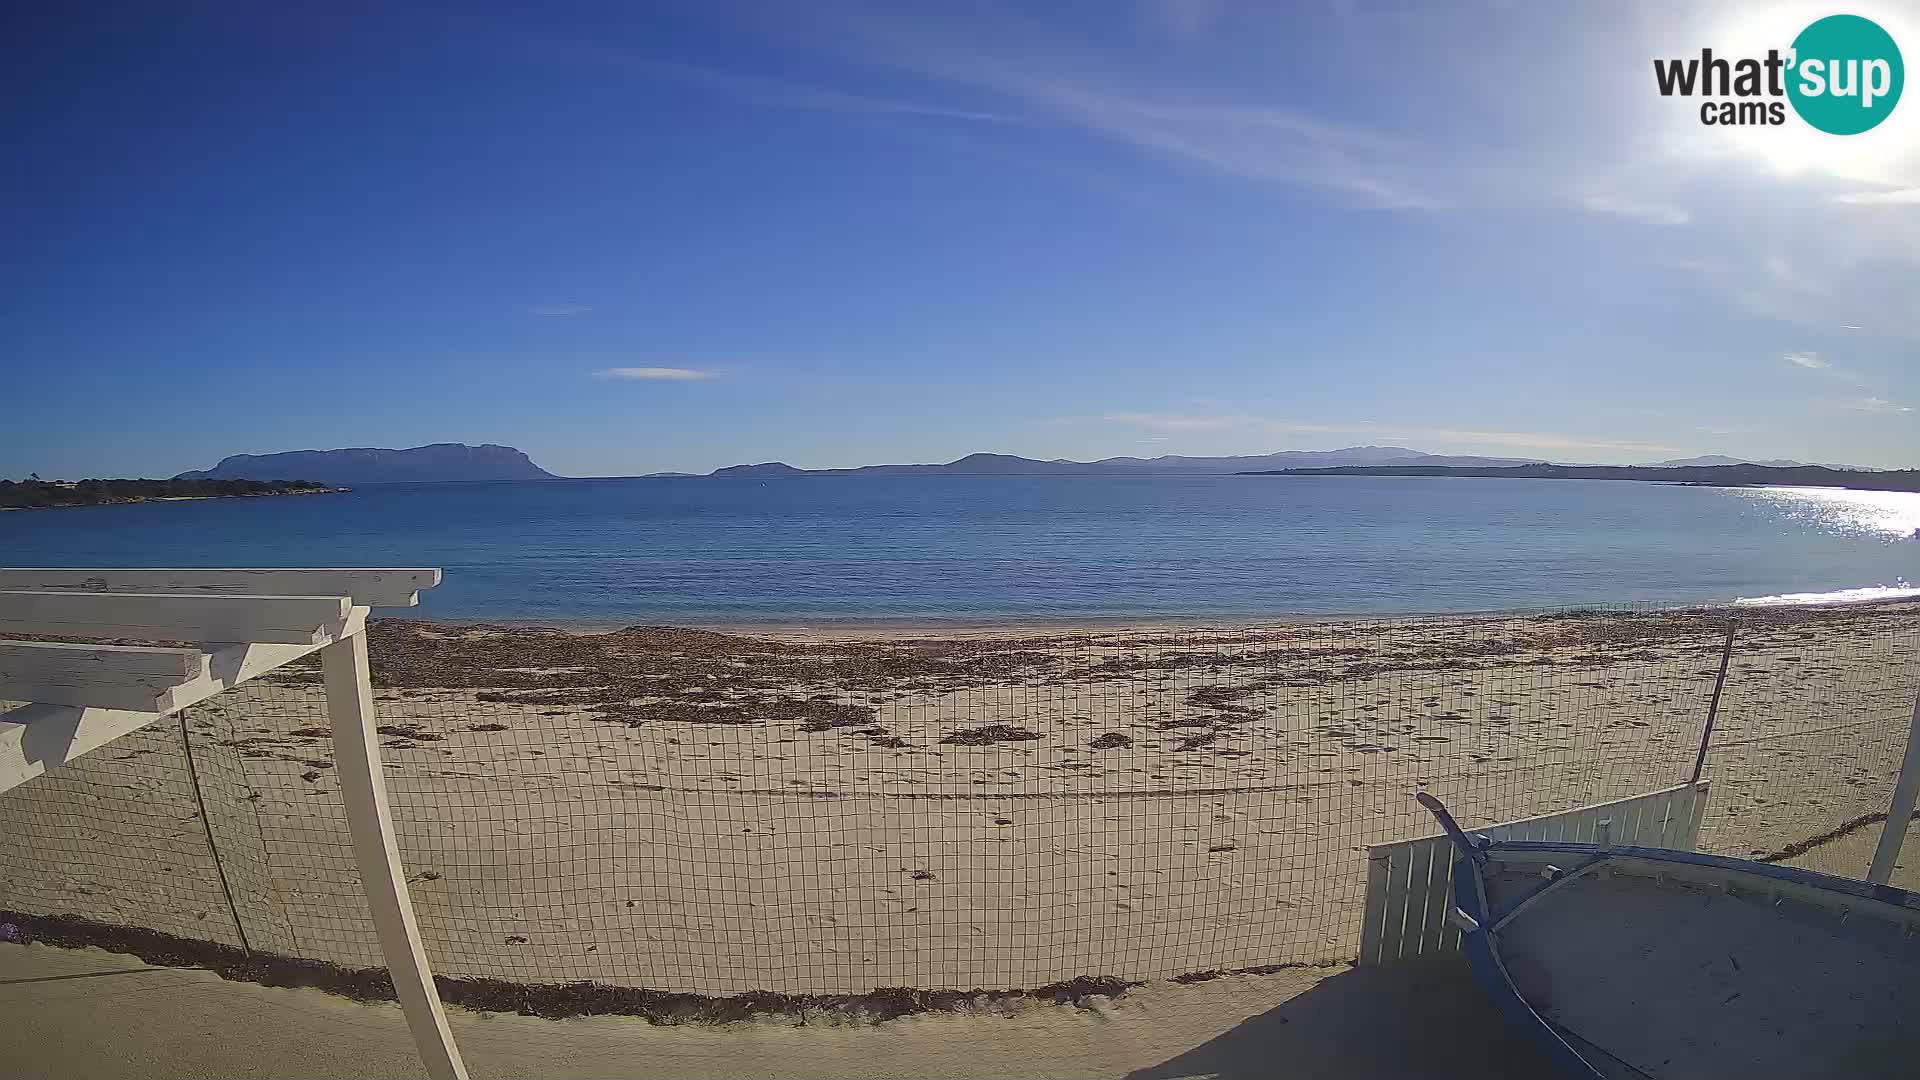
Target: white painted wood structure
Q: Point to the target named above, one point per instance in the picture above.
(1410, 882)
(222, 627)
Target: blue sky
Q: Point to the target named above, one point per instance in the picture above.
(630, 238)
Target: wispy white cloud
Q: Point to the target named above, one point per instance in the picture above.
(1184, 20)
(1772, 287)
(1174, 422)
(1817, 364)
(1800, 248)
(1876, 406)
(1779, 269)
(1255, 142)
(1028, 68)
(1052, 80)
(661, 374)
(1549, 440)
(1649, 213)
(1896, 197)
(787, 94)
(1376, 431)
(976, 131)
(1518, 440)
(558, 311)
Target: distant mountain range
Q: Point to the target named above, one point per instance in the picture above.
(454, 462)
(437, 463)
(1008, 465)
(1740, 475)
(1722, 459)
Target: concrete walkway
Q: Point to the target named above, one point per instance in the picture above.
(86, 1013)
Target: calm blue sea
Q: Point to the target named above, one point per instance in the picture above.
(817, 549)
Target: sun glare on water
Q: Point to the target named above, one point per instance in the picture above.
(1893, 516)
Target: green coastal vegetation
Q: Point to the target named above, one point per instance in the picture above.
(34, 493)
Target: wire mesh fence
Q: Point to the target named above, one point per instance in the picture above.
(1810, 737)
(116, 837)
(715, 814)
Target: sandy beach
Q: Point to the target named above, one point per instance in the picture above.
(718, 813)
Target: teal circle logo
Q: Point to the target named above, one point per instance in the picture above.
(1847, 74)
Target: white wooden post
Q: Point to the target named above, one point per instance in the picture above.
(356, 750)
(1906, 790)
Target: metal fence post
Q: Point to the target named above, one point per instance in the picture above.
(1906, 789)
(1713, 706)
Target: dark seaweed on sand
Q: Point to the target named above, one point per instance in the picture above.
(551, 1000)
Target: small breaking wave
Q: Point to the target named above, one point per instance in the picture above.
(1898, 591)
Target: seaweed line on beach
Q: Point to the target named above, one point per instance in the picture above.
(1221, 681)
(555, 1001)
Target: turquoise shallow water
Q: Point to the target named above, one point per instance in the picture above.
(816, 549)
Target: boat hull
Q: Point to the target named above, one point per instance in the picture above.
(1644, 962)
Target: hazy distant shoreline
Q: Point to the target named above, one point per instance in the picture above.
(1779, 476)
(896, 628)
(49, 495)
(490, 462)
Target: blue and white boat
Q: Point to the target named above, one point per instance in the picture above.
(1644, 962)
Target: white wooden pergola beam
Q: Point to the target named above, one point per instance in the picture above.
(363, 786)
(137, 693)
(367, 588)
(38, 736)
(85, 696)
(282, 620)
(41, 659)
(101, 676)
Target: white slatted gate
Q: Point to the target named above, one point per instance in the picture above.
(1410, 882)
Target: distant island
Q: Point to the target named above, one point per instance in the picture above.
(1722, 459)
(436, 463)
(460, 463)
(1180, 465)
(40, 494)
(1704, 475)
(1009, 465)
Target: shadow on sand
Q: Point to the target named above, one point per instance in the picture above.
(1425, 1018)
